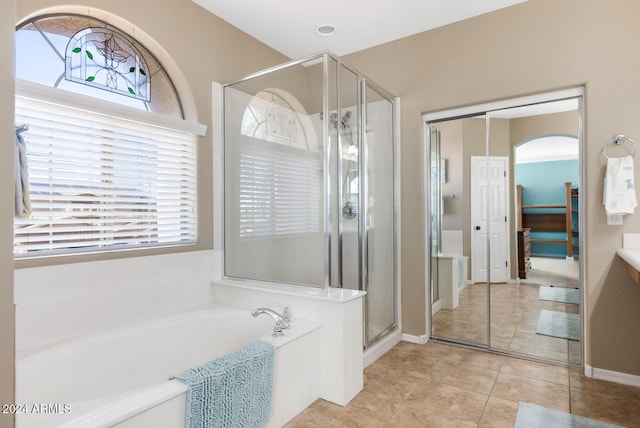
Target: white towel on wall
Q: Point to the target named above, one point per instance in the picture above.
(21, 179)
(619, 191)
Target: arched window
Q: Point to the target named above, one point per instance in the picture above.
(111, 163)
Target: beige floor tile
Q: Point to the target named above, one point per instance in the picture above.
(411, 417)
(534, 370)
(541, 392)
(533, 351)
(389, 384)
(325, 414)
(462, 357)
(533, 340)
(467, 377)
(616, 409)
(499, 413)
(440, 400)
(395, 397)
(431, 350)
(417, 366)
(578, 380)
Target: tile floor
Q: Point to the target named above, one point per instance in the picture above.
(438, 385)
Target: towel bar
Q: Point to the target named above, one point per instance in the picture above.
(619, 140)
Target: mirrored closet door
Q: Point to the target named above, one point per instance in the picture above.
(504, 215)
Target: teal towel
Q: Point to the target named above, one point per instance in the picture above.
(234, 390)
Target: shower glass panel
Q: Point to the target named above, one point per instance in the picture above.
(348, 214)
(309, 196)
(377, 160)
(275, 166)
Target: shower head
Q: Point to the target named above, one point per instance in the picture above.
(333, 118)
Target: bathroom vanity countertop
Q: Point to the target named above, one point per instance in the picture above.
(632, 257)
(630, 253)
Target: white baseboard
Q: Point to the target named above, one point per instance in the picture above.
(420, 340)
(436, 307)
(611, 376)
(381, 347)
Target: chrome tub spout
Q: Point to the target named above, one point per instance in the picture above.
(282, 321)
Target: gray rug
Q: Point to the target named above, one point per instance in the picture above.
(559, 324)
(533, 416)
(559, 294)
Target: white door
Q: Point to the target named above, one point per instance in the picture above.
(489, 219)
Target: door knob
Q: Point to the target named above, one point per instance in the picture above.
(477, 227)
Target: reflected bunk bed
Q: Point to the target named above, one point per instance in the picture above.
(555, 220)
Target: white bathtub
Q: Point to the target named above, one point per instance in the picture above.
(120, 377)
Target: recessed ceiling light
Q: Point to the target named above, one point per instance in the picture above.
(325, 30)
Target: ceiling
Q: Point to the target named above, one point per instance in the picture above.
(291, 26)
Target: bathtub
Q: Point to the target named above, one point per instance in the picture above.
(120, 377)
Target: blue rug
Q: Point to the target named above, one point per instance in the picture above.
(559, 294)
(232, 391)
(533, 416)
(559, 324)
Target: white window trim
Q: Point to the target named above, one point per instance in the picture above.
(72, 99)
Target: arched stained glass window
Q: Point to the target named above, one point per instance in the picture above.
(111, 162)
(107, 59)
(90, 57)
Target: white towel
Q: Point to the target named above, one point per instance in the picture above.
(21, 179)
(619, 191)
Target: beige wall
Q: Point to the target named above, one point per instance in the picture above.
(526, 128)
(7, 319)
(533, 47)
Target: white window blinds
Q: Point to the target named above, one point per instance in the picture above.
(99, 182)
(280, 190)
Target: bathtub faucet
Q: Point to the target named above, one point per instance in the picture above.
(282, 321)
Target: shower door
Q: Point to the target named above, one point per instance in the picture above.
(367, 195)
(377, 202)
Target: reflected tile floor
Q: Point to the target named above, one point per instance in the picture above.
(515, 311)
(438, 385)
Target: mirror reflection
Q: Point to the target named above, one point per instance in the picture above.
(505, 206)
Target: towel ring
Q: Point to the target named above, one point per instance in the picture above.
(619, 140)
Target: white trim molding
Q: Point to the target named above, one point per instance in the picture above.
(612, 376)
(420, 340)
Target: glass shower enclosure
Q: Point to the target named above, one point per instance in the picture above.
(309, 183)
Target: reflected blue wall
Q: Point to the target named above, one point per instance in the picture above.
(543, 184)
